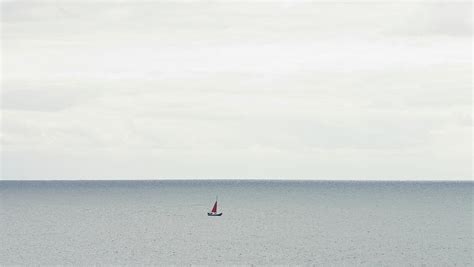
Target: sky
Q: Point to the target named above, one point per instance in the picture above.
(236, 90)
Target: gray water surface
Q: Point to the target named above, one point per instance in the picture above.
(264, 223)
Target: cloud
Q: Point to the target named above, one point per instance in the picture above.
(308, 90)
(39, 99)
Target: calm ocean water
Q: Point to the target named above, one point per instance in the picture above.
(264, 223)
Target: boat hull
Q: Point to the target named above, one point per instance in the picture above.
(214, 214)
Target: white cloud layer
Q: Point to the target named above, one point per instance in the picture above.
(124, 90)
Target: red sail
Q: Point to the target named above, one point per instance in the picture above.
(214, 209)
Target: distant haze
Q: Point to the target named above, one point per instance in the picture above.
(297, 90)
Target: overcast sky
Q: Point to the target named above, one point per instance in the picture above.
(141, 90)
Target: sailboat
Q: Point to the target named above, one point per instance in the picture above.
(214, 210)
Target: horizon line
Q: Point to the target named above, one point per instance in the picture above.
(240, 179)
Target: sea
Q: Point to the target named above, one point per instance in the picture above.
(278, 222)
